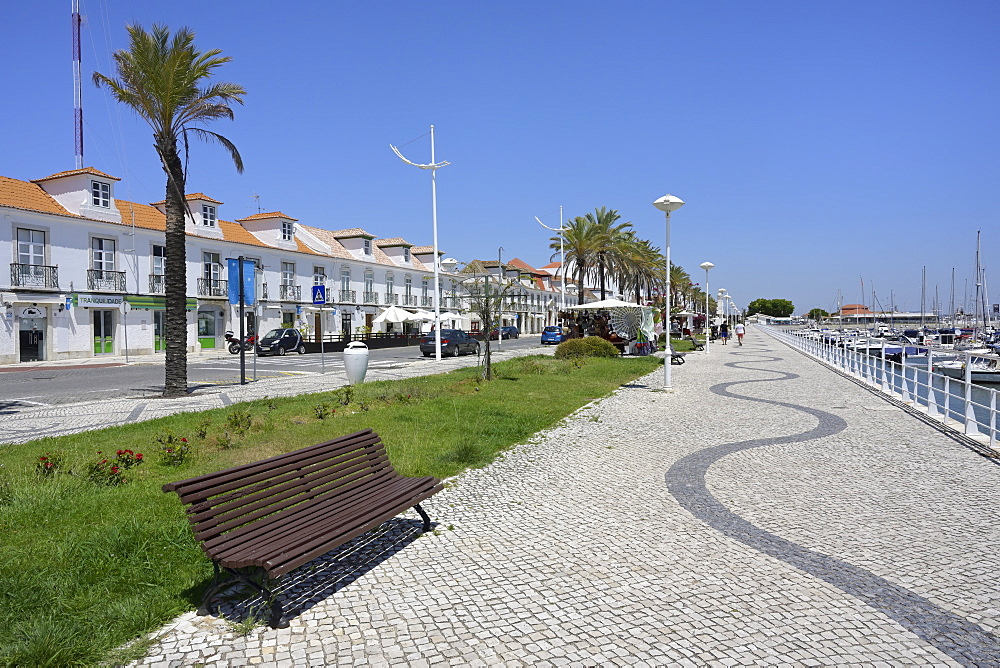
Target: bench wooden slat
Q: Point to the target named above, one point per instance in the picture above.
(302, 527)
(205, 515)
(234, 529)
(194, 489)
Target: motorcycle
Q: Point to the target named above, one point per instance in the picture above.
(235, 343)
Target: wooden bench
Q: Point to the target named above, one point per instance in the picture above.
(698, 345)
(272, 516)
(676, 357)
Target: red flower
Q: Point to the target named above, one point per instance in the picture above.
(120, 452)
(114, 469)
(139, 456)
(184, 440)
(42, 459)
(49, 465)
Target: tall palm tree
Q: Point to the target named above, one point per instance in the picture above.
(581, 240)
(680, 282)
(640, 265)
(613, 238)
(164, 80)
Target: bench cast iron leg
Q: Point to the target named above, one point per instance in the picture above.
(427, 520)
(206, 602)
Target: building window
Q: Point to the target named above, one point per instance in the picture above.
(345, 278)
(389, 280)
(406, 254)
(212, 267)
(208, 215)
(319, 276)
(408, 286)
(30, 247)
(368, 246)
(100, 194)
(287, 230)
(424, 284)
(159, 264)
(369, 281)
(288, 273)
(103, 254)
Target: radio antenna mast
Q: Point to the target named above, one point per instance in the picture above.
(77, 87)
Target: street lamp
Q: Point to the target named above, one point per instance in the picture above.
(708, 330)
(562, 255)
(667, 204)
(433, 166)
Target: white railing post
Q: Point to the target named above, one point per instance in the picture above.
(993, 419)
(971, 428)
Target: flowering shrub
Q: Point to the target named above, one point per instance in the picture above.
(111, 472)
(173, 449)
(49, 464)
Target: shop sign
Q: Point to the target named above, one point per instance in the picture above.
(33, 312)
(100, 301)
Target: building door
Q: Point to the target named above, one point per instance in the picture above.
(206, 329)
(346, 322)
(369, 319)
(318, 327)
(104, 331)
(32, 339)
(159, 331)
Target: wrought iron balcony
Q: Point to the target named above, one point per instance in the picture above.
(156, 284)
(102, 279)
(291, 293)
(426, 301)
(263, 292)
(34, 276)
(409, 300)
(213, 287)
(348, 297)
(370, 297)
(391, 299)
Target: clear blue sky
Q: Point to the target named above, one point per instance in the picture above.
(814, 143)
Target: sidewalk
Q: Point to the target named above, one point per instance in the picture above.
(766, 512)
(26, 424)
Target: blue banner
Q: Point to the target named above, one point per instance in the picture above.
(249, 281)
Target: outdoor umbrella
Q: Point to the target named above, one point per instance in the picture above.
(393, 314)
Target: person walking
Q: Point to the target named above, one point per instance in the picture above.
(724, 332)
(740, 331)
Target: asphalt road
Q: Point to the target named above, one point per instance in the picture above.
(23, 387)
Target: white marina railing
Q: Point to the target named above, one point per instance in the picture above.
(958, 404)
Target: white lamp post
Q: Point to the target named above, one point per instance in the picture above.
(667, 204)
(433, 166)
(562, 254)
(708, 329)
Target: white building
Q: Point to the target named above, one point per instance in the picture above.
(87, 274)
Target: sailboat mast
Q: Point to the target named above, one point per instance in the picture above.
(951, 303)
(923, 293)
(979, 278)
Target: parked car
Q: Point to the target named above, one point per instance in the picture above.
(454, 342)
(554, 334)
(280, 342)
(508, 332)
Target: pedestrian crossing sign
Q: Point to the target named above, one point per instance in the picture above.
(319, 294)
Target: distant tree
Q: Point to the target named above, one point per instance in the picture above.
(776, 308)
(818, 314)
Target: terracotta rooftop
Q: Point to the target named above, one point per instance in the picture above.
(350, 233)
(395, 241)
(189, 197)
(264, 216)
(425, 250)
(524, 266)
(30, 197)
(71, 172)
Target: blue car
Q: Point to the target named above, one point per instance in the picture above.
(553, 334)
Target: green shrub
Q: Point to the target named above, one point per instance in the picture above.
(572, 348)
(599, 347)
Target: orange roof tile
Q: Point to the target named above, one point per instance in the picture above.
(189, 197)
(71, 172)
(395, 241)
(262, 216)
(352, 232)
(326, 236)
(30, 197)
(423, 250)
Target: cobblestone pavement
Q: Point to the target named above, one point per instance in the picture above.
(800, 521)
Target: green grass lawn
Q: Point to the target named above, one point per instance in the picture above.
(84, 567)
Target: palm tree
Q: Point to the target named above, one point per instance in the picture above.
(160, 77)
(640, 265)
(581, 240)
(680, 283)
(613, 238)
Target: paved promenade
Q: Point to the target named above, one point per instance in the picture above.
(766, 512)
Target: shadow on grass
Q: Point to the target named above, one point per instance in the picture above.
(314, 582)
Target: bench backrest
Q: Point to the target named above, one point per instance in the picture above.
(218, 503)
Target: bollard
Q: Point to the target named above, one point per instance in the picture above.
(356, 362)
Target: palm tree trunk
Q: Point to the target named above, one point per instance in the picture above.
(579, 282)
(600, 272)
(175, 279)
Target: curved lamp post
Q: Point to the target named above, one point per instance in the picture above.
(708, 330)
(667, 204)
(433, 166)
(562, 255)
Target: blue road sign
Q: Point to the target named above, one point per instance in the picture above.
(319, 294)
